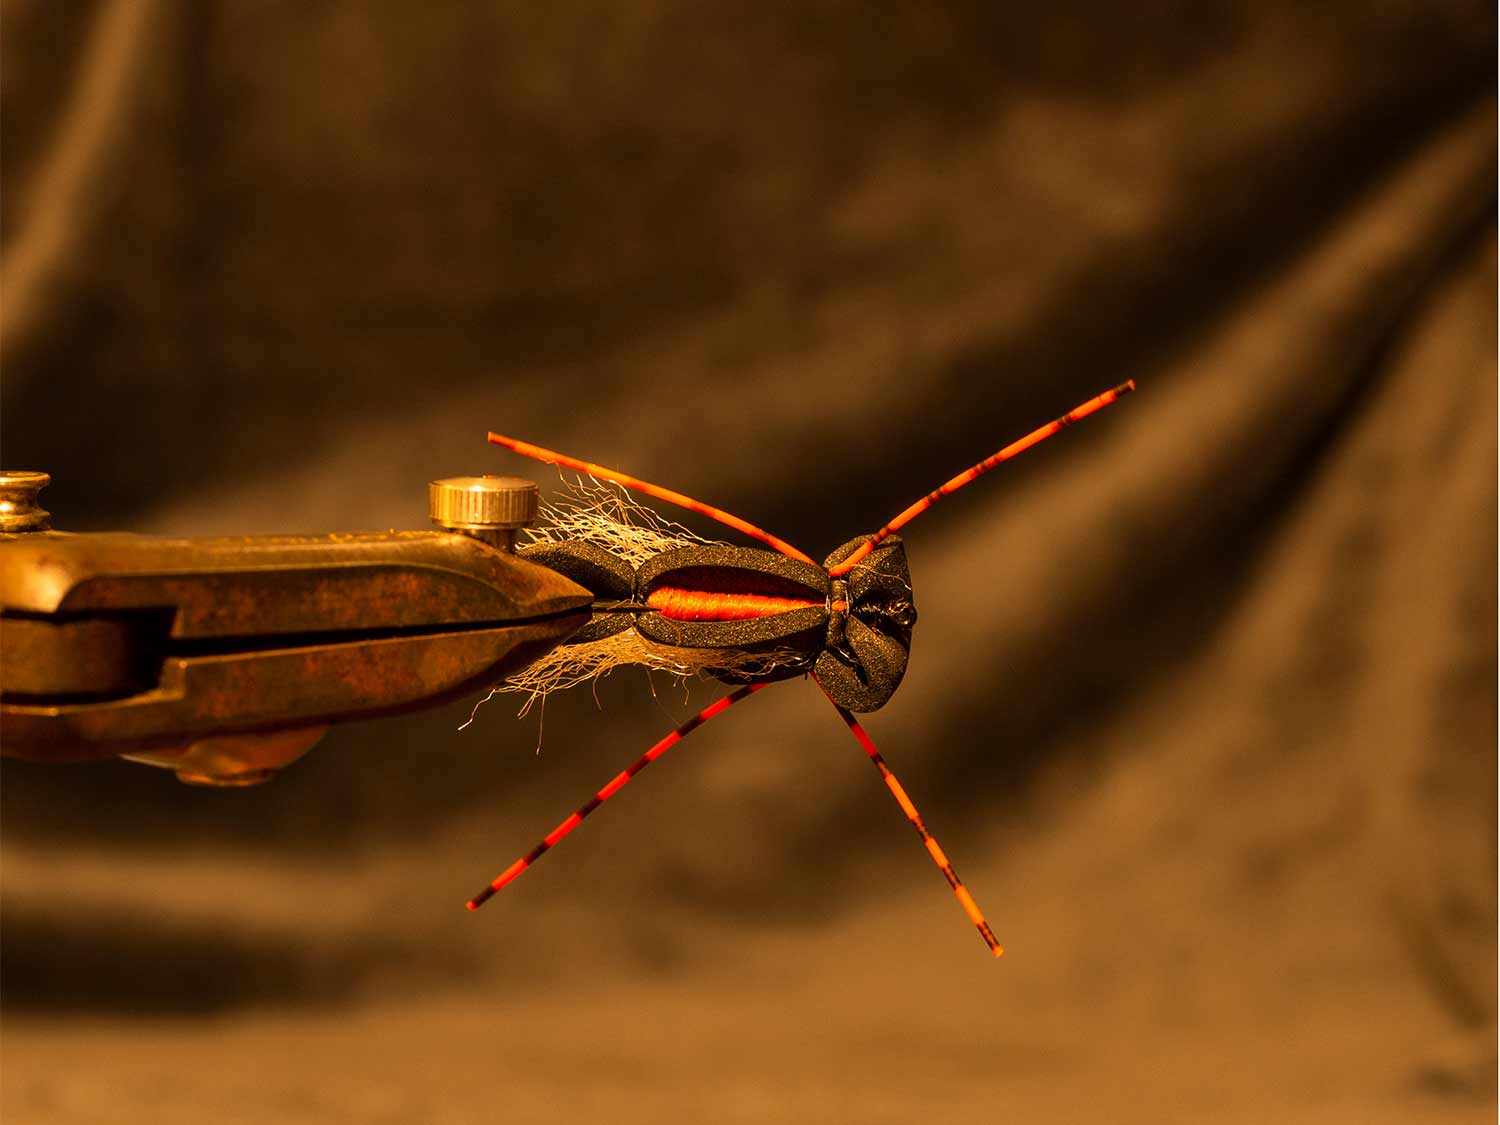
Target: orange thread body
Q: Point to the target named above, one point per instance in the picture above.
(706, 605)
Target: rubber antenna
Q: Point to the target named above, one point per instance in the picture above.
(1098, 402)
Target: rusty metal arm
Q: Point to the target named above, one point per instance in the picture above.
(225, 658)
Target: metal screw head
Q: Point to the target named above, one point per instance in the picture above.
(19, 510)
(489, 508)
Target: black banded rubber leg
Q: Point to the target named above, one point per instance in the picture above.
(618, 783)
(939, 857)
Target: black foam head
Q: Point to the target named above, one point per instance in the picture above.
(864, 656)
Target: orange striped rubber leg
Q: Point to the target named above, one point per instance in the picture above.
(1098, 402)
(552, 457)
(939, 857)
(556, 835)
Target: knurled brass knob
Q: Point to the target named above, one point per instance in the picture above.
(489, 508)
(19, 510)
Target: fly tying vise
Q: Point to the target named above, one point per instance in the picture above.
(754, 617)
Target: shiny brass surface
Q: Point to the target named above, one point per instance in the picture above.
(482, 502)
(490, 509)
(19, 507)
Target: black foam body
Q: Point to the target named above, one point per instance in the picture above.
(858, 654)
(607, 577)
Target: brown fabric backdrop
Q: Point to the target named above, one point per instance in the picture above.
(1202, 700)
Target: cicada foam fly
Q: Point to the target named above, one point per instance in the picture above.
(747, 616)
